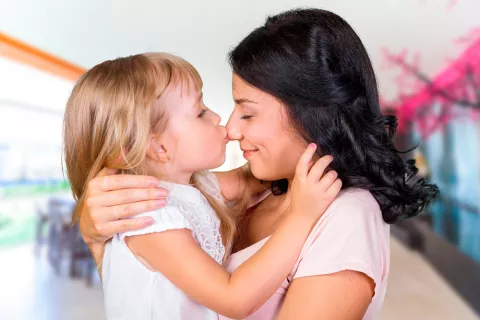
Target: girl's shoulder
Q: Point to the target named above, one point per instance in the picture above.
(186, 208)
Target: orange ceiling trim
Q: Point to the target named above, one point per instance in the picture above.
(26, 54)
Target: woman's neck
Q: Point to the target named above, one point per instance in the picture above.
(277, 204)
(284, 203)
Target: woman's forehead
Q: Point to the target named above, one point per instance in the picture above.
(243, 91)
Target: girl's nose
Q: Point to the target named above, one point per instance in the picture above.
(216, 118)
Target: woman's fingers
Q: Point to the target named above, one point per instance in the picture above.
(108, 230)
(118, 181)
(126, 196)
(107, 172)
(130, 209)
(107, 214)
(319, 168)
(303, 164)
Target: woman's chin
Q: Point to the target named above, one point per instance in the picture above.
(261, 172)
(266, 173)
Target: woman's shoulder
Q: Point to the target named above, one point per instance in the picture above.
(354, 201)
(351, 235)
(354, 211)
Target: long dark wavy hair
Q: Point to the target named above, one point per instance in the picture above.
(315, 63)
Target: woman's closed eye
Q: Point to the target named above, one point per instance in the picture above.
(246, 117)
(202, 113)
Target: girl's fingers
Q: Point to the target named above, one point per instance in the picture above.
(327, 180)
(319, 168)
(303, 164)
(334, 189)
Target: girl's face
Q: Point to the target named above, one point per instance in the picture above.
(193, 137)
(268, 141)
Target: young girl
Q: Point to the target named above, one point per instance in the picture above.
(144, 114)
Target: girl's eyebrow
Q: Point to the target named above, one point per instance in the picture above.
(197, 101)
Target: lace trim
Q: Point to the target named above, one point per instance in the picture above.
(205, 223)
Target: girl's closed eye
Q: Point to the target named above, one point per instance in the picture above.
(246, 117)
(202, 113)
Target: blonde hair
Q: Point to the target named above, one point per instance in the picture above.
(110, 116)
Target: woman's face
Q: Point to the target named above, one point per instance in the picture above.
(268, 141)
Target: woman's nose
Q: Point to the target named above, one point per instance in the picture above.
(233, 130)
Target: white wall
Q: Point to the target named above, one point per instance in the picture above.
(31, 115)
(89, 31)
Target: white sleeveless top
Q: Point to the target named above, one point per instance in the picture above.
(131, 290)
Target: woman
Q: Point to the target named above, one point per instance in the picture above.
(302, 77)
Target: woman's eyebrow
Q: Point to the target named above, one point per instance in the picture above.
(243, 100)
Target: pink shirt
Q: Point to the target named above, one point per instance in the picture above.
(351, 235)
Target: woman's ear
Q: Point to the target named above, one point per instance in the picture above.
(157, 151)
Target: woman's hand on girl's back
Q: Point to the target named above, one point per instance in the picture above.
(313, 188)
(111, 199)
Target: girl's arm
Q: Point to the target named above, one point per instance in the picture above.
(176, 254)
(111, 199)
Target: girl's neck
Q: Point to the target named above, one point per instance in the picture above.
(167, 172)
(177, 177)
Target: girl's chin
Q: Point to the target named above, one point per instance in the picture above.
(218, 162)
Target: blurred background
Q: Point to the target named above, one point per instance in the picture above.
(427, 58)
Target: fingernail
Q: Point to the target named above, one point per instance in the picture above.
(160, 203)
(310, 163)
(160, 192)
(146, 221)
(330, 158)
(152, 182)
(312, 145)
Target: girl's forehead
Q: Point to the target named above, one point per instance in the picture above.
(180, 90)
(179, 99)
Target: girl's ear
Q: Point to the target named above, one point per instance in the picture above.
(157, 151)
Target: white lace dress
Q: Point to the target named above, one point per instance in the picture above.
(131, 290)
